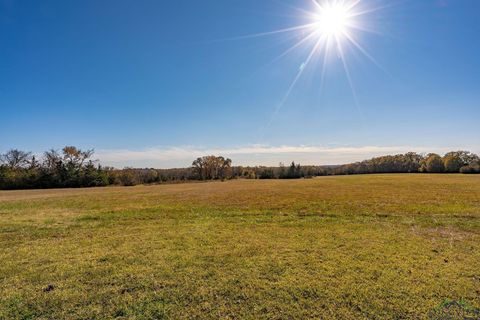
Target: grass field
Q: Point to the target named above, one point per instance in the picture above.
(351, 247)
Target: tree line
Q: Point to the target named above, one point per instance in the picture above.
(69, 168)
(452, 162)
(72, 167)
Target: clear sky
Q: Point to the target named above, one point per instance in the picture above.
(157, 83)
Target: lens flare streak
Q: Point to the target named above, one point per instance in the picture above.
(332, 27)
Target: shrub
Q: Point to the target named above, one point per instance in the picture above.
(127, 177)
(470, 169)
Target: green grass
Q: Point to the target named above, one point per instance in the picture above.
(352, 247)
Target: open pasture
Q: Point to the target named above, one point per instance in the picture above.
(346, 247)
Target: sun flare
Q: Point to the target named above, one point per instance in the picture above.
(333, 20)
(332, 31)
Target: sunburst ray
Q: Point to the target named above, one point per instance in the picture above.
(331, 25)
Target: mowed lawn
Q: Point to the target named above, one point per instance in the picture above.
(348, 247)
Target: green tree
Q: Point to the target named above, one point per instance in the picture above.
(455, 160)
(212, 168)
(434, 163)
(452, 163)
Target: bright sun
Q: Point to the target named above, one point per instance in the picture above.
(333, 20)
(333, 26)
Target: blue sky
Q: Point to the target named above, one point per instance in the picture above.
(156, 83)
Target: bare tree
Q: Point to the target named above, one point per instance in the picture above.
(51, 159)
(16, 159)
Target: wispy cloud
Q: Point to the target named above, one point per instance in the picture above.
(168, 157)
